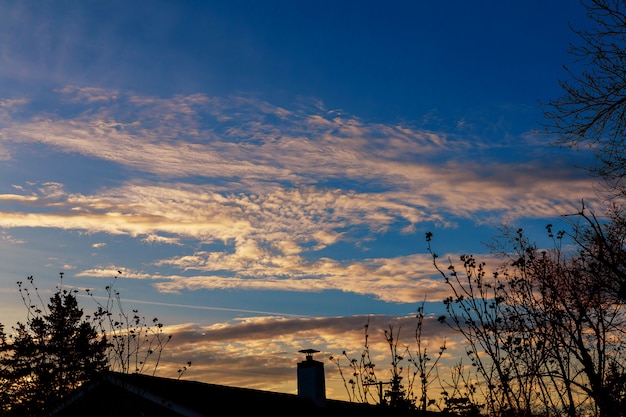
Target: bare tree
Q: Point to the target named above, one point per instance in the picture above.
(604, 240)
(135, 343)
(405, 383)
(478, 310)
(361, 382)
(424, 366)
(542, 330)
(592, 109)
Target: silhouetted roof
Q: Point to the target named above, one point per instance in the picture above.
(122, 395)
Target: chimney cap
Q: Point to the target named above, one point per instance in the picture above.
(309, 353)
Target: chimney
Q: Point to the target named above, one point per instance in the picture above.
(311, 381)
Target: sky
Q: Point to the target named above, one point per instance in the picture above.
(263, 174)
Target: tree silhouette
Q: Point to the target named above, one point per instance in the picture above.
(592, 109)
(404, 386)
(49, 356)
(135, 343)
(543, 330)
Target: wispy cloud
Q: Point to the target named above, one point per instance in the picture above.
(402, 279)
(8, 238)
(263, 182)
(274, 216)
(88, 94)
(248, 140)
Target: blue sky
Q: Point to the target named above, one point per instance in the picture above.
(264, 173)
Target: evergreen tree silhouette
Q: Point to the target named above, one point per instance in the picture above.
(49, 356)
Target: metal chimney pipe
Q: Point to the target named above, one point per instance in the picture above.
(311, 379)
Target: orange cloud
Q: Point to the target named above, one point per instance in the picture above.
(262, 352)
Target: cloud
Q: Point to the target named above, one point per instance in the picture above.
(153, 238)
(8, 238)
(403, 279)
(16, 198)
(273, 216)
(282, 219)
(88, 94)
(268, 192)
(5, 155)
(13, 104)
(238, 353)
(245, 140)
